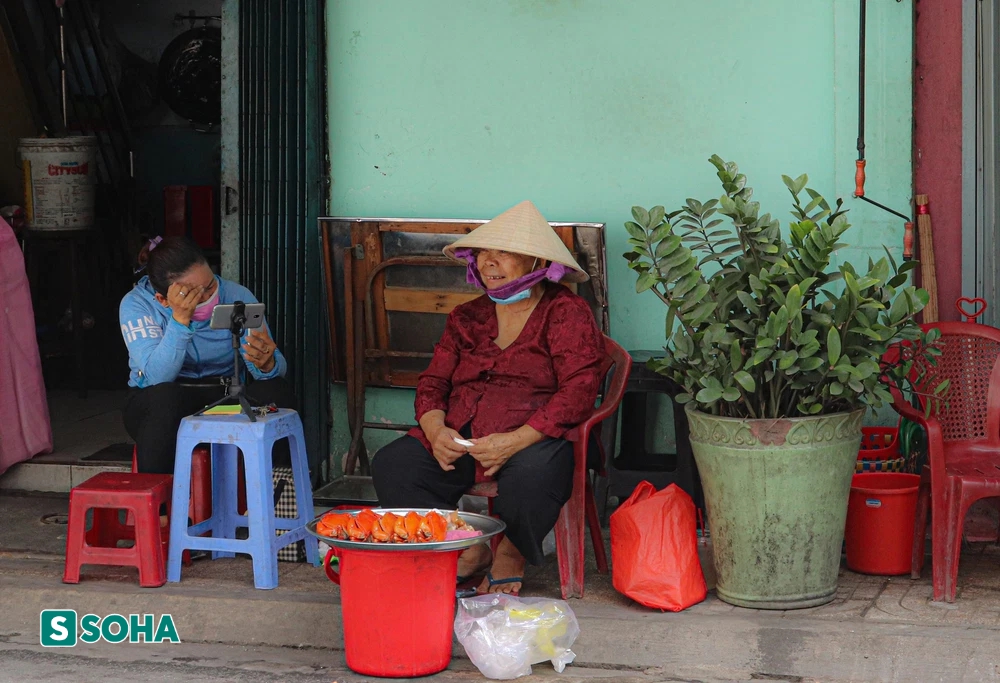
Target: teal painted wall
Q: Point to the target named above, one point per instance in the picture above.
(456, 109)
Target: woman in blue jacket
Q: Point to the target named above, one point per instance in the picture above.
(177, 362)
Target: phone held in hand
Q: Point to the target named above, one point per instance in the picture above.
(222, 316)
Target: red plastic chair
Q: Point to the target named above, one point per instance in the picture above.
(582, 505)
(963, 445)
(107, 529)
(142, 495)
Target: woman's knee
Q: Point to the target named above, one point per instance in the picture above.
(278, 391)
(527, 507)
(543, 474)
(167, 397)
(393, 463)
(155, 407)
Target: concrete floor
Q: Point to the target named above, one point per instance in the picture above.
(877, 628)
(34, 529)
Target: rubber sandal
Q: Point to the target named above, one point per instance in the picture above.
(475, 576)
(499, 582)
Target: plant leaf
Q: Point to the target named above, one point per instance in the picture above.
(833, 346)
(656, 216)
(641, 217)
(645, 281)
(745, 380)
(708, 395)
(636, 231)
(730, 394)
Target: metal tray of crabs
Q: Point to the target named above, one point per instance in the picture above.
(402, 530)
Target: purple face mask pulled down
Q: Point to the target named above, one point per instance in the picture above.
(553, 273)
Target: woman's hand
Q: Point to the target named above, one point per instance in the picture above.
(495, 450)
(182, 300)
(444, 449)
(442, 439)
(259, 349)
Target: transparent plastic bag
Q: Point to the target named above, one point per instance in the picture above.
(504, 635)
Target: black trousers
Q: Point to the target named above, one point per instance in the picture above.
(532, 486)
(153, 414)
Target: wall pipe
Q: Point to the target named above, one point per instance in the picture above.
(859, 173)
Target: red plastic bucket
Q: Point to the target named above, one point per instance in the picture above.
(398, 610)
(880, 516)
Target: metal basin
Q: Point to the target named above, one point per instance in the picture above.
(489, 527)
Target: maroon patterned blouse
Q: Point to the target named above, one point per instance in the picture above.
(547, 378)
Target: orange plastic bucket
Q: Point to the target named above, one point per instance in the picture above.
(398, 610)
(880, 516)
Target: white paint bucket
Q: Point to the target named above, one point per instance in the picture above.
(60, 175)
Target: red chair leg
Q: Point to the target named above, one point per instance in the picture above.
(241, 490)
(958, 509)
(570, 539)
(594, 523)
(149, 544)
(129, 519)
(201, 497)
(201, 485)
(941, 536)
(920, 529)
(75, 539)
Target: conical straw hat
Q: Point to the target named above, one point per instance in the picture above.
(522, 230)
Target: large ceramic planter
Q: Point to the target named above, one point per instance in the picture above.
(776, 492)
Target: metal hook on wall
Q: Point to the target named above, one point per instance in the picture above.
(859, 174)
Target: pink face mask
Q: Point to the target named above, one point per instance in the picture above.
(203, 311)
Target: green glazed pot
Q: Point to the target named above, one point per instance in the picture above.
(776, 492)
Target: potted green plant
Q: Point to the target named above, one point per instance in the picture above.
(778, 356)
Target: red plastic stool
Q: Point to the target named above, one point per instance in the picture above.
(110, 529)
(201, 484)
(140, 494)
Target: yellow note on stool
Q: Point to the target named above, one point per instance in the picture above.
(224, 410)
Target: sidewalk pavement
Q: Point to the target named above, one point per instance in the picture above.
(877, 629)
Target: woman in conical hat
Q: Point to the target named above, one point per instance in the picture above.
(515, 370)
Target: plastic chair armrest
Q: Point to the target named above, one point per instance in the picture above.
(932, 427)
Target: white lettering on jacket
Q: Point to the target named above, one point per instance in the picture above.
(145, 327)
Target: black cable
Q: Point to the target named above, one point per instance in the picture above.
(861, 85)
(884, 208)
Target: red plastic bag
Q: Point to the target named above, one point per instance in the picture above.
(654, 549)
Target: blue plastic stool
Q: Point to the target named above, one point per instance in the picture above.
(226, 434)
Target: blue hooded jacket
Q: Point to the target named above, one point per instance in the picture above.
(160, 349)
